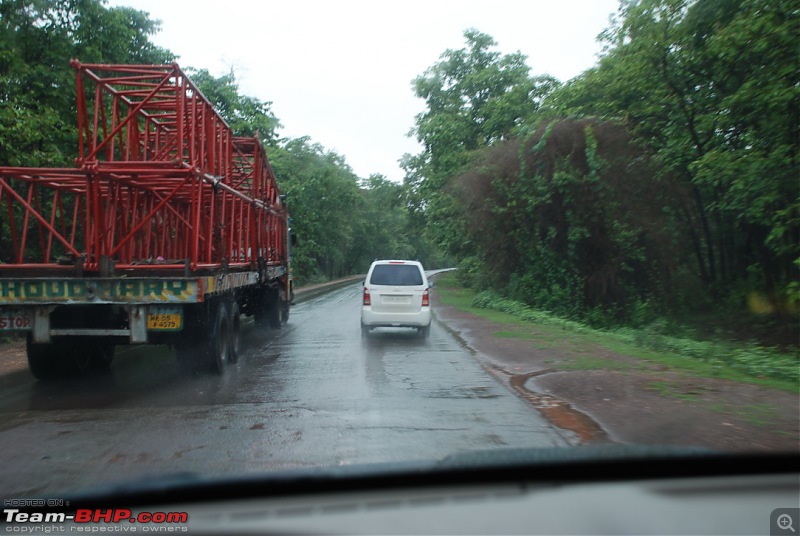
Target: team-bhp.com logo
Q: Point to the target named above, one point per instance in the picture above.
(89, 520)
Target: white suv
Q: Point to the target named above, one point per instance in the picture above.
(396, 294)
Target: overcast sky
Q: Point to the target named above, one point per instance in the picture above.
(340, 71)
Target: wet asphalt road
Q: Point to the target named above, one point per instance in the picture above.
(310, 394)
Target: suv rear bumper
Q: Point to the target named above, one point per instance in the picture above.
(396, 320)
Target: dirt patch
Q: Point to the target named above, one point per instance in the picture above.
(600, 396)
(12, 355)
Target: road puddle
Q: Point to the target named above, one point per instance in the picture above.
(556, 411)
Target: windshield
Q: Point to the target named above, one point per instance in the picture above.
(392, 274)
(603, 195)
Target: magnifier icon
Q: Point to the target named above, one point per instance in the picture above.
(784, 522)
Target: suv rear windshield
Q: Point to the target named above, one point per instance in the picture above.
(401, 275)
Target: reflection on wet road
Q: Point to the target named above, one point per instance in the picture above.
(311, 394)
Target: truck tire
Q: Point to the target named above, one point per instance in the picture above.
(265, 302)
(218, 339)
(259, 314)
(101, 356)
(274, 312)
(235, 323)
(284, 305)
(269, 314)
(87, 355)
(55, 360)
(43, 360)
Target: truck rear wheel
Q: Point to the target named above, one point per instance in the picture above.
(268, 312)
(44, 360)
(218, 341)
(205, 346)
(100, 355)
(263, 309)
(86, 354)
(234, 345)
(67, 357)
(274, 312)
(284, 305)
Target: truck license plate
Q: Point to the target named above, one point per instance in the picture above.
(164, 319)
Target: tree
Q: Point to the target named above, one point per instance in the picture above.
(571, 218)
(475, 97)
(382, 232)
(324, 203)
(713, 89)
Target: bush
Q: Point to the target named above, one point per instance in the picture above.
(472, 273)
(492, 300)
(751, 359)
(548, 285)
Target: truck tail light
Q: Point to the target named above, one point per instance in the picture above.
(367, 300)
(426, 300)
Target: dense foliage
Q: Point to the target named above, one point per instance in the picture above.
(712, 88)
(663, 180)
(566, 221)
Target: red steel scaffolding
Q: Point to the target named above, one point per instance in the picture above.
(160, 183)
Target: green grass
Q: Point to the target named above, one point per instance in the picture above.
(733, 361)
(599, 363)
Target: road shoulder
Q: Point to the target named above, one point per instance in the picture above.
(600, 395)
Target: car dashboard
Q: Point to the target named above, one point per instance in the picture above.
(582, 490)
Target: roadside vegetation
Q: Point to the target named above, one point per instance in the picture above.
(739, 361)
(656, 191)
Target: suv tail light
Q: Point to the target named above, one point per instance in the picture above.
(426, 300)
(367, 299)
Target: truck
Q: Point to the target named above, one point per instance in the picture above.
(167, 230)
